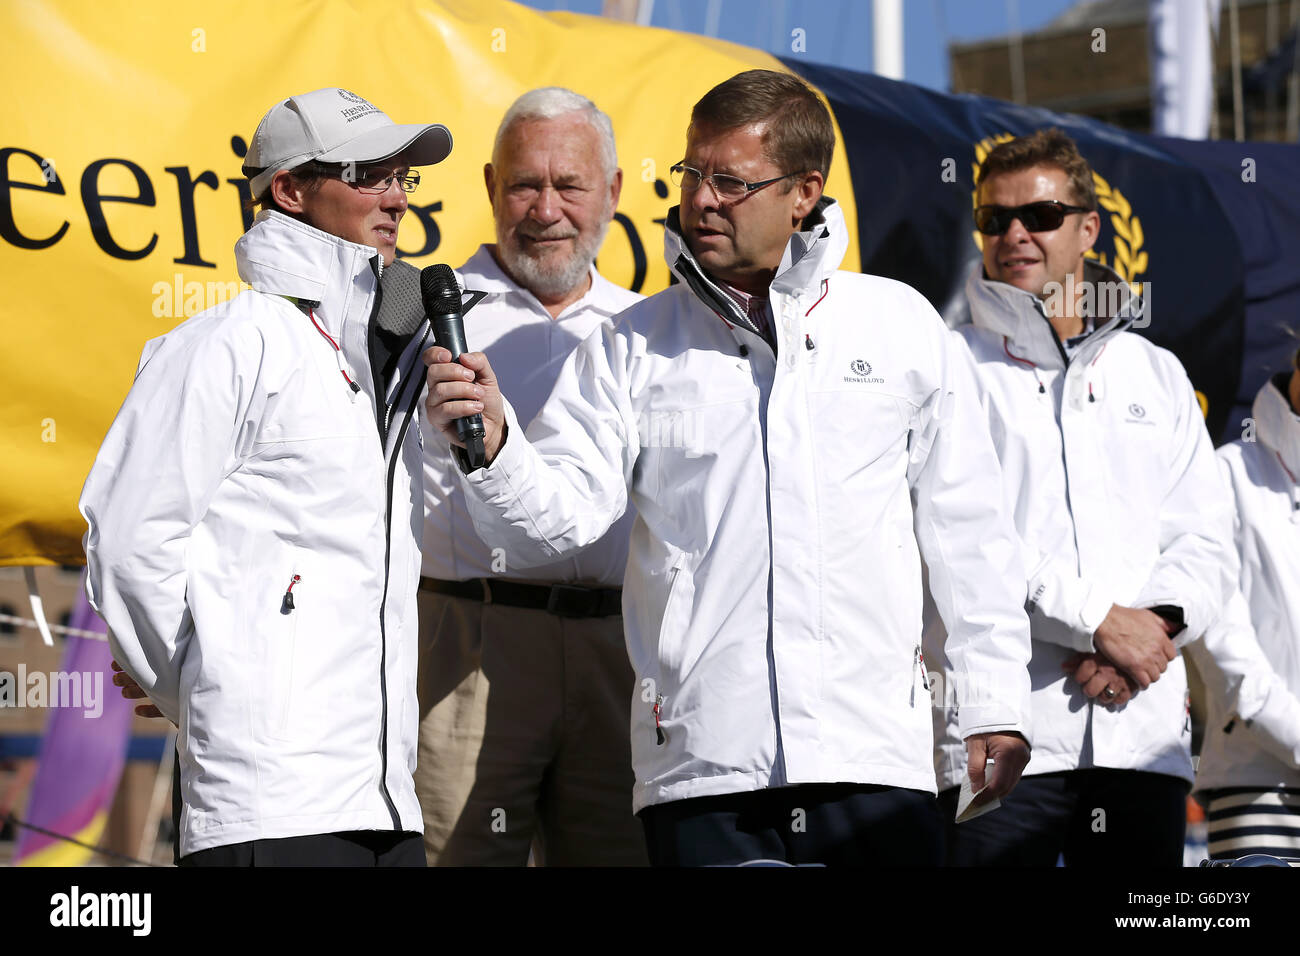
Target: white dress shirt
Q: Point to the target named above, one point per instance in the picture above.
(527, 348)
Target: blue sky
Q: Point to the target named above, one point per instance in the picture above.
(838, 32)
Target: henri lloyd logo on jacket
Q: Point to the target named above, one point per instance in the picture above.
(862, 374)
(1137, 415)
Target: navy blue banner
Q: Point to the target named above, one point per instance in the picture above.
(1214, 228)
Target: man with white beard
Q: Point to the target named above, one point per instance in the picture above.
(524, 683)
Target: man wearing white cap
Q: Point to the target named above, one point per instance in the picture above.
(254, 514)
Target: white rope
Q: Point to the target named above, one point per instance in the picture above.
(56, 628)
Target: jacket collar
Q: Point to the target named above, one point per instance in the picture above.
(1020, 316)
(280, 255)
(482, 273)
(812, 255)
(1276, 425)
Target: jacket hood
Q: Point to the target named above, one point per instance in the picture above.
(1276, 425)
(1021, 316)
(280, 255)
(812, 255)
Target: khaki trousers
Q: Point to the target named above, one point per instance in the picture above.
(524, 736)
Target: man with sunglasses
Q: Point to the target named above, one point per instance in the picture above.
(1109, 471)
(794, 439)
(254, 516)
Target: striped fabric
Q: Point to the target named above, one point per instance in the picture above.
(1245, 820)
(758, 309)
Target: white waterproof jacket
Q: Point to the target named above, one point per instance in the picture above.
(1110, 474)
(772, 601)
(241, 462)
(1250, 660)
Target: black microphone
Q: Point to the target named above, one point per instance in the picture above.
(441, 296)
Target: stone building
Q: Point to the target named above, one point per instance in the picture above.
(1071, 67)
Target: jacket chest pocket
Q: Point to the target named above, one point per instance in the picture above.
(317, 450)
(280, 433)
(315, 404)
(680, 447)
(861, 431)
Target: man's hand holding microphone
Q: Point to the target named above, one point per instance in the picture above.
(458, 389)
(464, 401)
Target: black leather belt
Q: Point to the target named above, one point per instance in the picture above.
(562, 600)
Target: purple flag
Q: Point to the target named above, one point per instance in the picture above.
(83, 750)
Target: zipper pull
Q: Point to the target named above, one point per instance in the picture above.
(352, 385)
(808, 342)
(918, 662)
(660, 739)
(288, 594)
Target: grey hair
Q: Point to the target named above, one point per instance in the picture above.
(550, 102)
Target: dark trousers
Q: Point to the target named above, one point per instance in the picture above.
(354, 848)
(1093, 818)
(837, 824)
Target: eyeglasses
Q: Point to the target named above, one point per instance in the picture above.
(1034, 216)
(376, 179)
(730, 188)
(372, 180)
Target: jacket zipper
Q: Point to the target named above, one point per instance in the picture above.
(773, 686)
(718, 301)
(656, 709)
(383, 600)
(383, 604)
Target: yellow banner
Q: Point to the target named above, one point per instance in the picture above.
(121, 192)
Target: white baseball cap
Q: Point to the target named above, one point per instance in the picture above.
(335, 126)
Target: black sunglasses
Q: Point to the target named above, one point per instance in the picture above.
(1035, 216)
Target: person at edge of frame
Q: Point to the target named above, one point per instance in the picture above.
(1249, 772)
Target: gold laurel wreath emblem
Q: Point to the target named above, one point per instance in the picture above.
(1130, 259)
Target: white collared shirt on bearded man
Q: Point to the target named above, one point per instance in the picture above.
(526, 348)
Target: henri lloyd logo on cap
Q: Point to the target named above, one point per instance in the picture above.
(363, 107)
(862, 374)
